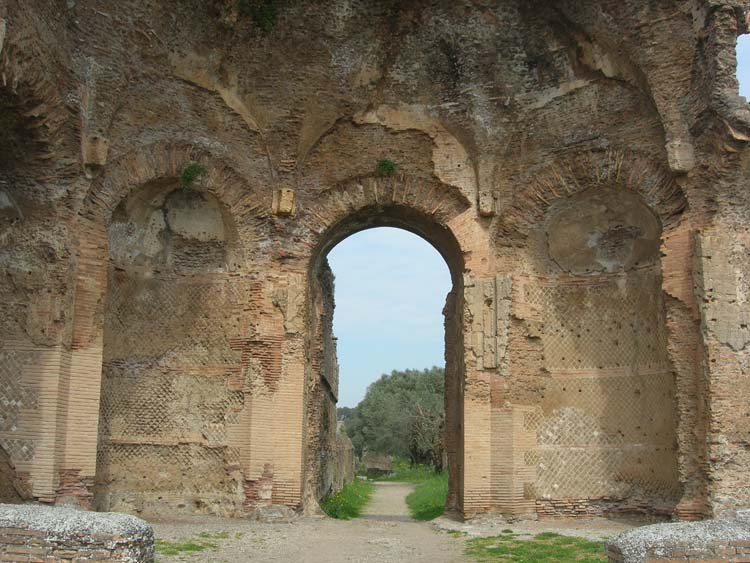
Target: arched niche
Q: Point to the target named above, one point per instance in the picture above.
(168, 394)
(602, 420)
(167, 227)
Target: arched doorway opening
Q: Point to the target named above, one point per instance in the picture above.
(322, 368)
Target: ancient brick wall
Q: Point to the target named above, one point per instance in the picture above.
(581, 166)
(722, 277)
(322, 464)
(172, 391)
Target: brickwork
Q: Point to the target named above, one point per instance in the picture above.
(166, 336)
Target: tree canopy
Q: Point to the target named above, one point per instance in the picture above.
(401, 413)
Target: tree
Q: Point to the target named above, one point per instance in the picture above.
(345, 413)
(400, 410)
(426, 445)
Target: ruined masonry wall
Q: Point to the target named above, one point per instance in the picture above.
(35, 533)
(172, 176)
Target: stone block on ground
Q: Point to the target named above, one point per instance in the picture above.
(273, 514)
(47, 532)
(723, 539)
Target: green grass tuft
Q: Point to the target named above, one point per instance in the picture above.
(203, 542)
(385, 167)
(191, 173)
(349, 501)
(543, 547)
(403, 472)
(427, 501)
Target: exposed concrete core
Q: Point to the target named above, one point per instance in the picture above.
(166, 343)
(602, 231)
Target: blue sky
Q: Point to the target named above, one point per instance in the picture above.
(390, 291)
(743, 65)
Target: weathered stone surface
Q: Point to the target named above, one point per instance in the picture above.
(726, 539)
(273, 514)
(166, 329)
(50, 533)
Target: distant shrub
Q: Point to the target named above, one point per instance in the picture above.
(384, 421)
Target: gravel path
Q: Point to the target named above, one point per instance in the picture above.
(385, 533)
(388, 503)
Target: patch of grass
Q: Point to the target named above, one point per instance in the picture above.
(214, 536)
(427, 501)
(385, 167)
(406, 473)
(191, 173)
(204, 541)
(542, 547)
(349, 501)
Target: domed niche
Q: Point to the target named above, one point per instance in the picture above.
(602, 230)
(169, 228)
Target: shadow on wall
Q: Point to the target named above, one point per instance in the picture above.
(9, 483)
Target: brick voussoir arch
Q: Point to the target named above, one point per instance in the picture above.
(578, 171)
(245, 212)
(161, 162)
(22, 74)
(425, 207)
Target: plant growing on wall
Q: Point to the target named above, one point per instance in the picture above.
(263, 12)
(385, 167)
(191, 173)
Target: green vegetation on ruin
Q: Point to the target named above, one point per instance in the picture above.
(349, 501)
(191, 173)
(385, 167)
(509, 547)
(262, 12)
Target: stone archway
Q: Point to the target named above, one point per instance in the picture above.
(427, 211)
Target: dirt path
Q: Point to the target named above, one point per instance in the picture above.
(388, 503)
(385, 533)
